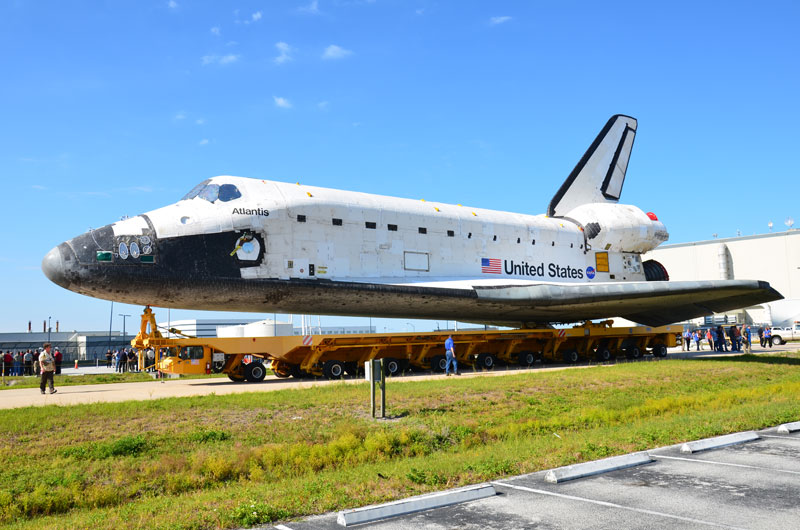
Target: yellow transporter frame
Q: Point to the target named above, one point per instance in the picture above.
(314, 354)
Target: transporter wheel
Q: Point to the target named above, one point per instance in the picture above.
(255, 372)
(486, 361)
(603, 354)
(659, 350)
(438, 363)
(392, 366)
(777, 340)
(353, 369)
(281, 369)
(236, 378)
(571, 356)
(633, 353)
(527, 358)
(297, 373)
(333, 369)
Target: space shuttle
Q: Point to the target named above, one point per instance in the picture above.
(243, 244)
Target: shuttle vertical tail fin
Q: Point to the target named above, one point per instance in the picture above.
(600, 174)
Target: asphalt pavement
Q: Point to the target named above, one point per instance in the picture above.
(753, 485)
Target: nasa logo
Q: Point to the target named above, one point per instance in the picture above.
(590, 272)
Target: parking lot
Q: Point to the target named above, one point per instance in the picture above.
(753, 485)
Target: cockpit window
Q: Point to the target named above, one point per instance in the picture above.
(228, 192)
(210, 192)
(213, 192)
(192, 194)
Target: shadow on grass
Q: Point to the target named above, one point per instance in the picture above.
(750, 358)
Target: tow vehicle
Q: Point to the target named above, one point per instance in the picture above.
(333, 356)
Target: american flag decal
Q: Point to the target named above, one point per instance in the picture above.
(490, 266)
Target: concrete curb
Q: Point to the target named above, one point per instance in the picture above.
(786, 428)
(562, 474)
(719, 441)
(414, 504)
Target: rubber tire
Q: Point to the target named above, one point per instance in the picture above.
(353, 368)
(485, 361)
(281, 369)
(255, 372)
(333, 369)
(438, 363)
(236, 378)
(659, 350)
(526, 358)
(571, 356)
(633, 353)
(393, 367)
(603, 354)
(777, 340)
(297, 373)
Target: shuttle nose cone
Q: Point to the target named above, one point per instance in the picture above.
(53, 267)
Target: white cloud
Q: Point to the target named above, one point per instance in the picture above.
(38, 187)
(256, 16)
(282, 102)
(204, 141)
(199, 121)
(322, 105)
(215, 31)
(180, 116)
(335, 52)
(420, 11)
(494, 21)
(285, 51)
(220, 59)
(310, 9)
(172, 4)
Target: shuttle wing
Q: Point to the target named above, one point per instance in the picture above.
(649, 303)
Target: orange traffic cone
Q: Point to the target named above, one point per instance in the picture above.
(76, 364)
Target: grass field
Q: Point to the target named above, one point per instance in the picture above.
(239, 460)
(89, 379)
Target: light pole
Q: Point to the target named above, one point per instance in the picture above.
(48, 329)
(123, 325)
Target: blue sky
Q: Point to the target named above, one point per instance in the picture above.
(115, 108)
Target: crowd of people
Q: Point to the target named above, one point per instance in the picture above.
(737, 338)
(26, 363)
(127, 360)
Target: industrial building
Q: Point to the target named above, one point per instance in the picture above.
(772, 257)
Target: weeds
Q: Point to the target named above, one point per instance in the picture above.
(192, 460)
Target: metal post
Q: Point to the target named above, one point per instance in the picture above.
(124, 336)
(383, 390)
(110, 322)
(371, 389)
(48, 329)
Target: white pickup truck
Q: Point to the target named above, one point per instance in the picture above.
(781, 335)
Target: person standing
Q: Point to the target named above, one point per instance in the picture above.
(450, 353)
(48, 364)
(768, 336)
(747, 339)
(28, 359)
(17, 363)
(108, 358)
(8, 362)
(58, 357)
(761, 335)
(710, 340)
(697, 338)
